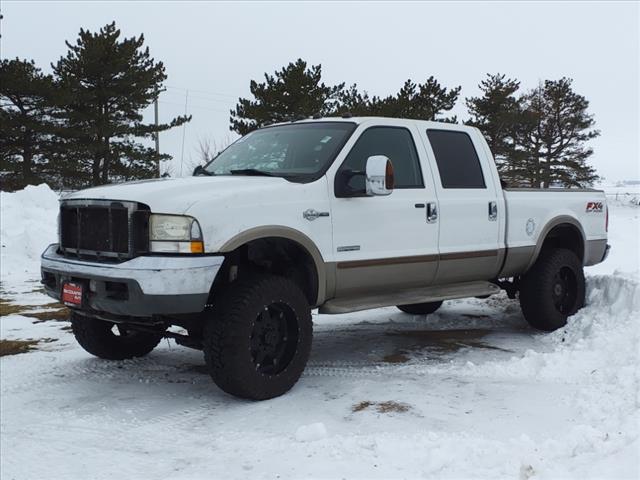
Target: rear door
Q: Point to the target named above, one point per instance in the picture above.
(383, 242)
(468, 206)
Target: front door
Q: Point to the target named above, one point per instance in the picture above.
(383, 243)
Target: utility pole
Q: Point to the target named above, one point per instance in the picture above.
(184, 128)
(157, 134)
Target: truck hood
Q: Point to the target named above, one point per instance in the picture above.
(177, 195)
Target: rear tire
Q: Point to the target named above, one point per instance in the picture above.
(552, 290)
(420, 308)
(258, 338)
(98, 338)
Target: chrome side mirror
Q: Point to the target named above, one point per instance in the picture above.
(379, 175)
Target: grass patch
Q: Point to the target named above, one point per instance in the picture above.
(42, 313)
(358, 407)
(8, 308)
(389, 406)
(14, 347)
(60, 315)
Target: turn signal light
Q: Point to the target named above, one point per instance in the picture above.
(197, 247)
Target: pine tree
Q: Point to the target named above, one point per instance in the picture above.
(106, 82)
(556, 126)
(426, 101)
(356, 103)
(26, 116)
(294, 91)
(497, 113)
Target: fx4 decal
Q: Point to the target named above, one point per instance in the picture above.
(594, 207)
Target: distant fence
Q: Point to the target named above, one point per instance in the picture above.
(624, 198)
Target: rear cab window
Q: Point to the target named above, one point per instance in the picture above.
(457, 159)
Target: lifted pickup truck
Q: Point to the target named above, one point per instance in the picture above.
(339, 214)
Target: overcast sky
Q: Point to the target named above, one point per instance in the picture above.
(214, 49)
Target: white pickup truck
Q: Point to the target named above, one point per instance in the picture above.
(339, 214)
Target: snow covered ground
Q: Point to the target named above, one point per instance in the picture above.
(469, 392)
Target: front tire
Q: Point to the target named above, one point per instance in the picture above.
(99, 338)
(258, 340)
(552, 290)
(420, 308)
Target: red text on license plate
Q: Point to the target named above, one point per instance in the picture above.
(72, 294)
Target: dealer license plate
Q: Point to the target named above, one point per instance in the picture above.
(72, 294)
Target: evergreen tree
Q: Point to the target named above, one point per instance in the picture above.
(553, 136)
(26, 116)
(106, 82)
(497, 113)
(426, 101)
(350, 100)
(294, 91)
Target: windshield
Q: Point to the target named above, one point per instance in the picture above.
(296, 152)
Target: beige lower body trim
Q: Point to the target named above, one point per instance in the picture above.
(594, 251)
(468, 266)
(361, 276)
(517, 261)
(381, 274)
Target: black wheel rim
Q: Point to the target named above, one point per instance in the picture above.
(274, 338)
(564, 290)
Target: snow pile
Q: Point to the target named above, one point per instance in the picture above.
(598, 354)
(28, 225)
(604, 333)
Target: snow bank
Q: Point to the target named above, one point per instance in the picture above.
(605, 332)
(28, 225)
(598, 352)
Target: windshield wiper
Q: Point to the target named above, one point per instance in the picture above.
(200, 170)
(253, 171)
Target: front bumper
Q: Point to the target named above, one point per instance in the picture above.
(143, 286)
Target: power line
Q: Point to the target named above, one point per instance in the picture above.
(206, 99)
(208, 92)
(195, 106)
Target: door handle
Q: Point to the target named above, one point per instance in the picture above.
(311, 214)
(432, 212)
(493, 211)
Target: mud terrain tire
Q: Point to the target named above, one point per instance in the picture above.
(98, 338)
(258, 338)
(552, 290)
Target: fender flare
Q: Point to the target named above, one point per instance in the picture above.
(550, 225)
(277, 231)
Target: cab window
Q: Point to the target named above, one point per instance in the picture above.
(396, 143)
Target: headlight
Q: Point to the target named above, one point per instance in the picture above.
(175, 234)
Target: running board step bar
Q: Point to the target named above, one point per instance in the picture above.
(409, 296)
